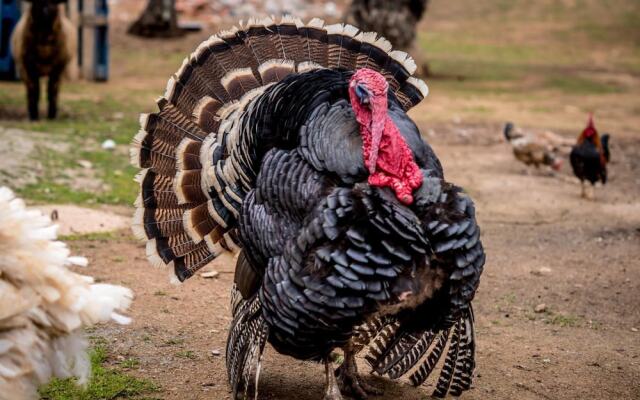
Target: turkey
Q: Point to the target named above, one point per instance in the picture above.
(589, 158)
(43, 305)
(290, 144)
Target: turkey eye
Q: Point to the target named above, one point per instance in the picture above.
(362, 93)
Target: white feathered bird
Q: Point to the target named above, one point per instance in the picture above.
(43, 304)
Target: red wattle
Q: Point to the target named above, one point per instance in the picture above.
(395, 167)
(387, 156)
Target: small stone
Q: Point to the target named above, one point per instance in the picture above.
(215, 352)
(86, 164)
(542, 271)
(210, 274)
(540, 308)
(634, 329)
(108, 144)
(546, 360)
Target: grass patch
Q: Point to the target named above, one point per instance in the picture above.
(188, 354)
(174, 342)
(572, 84)
(86, 121)
(89, 237)
(106, 383)
(562, 320)
(130, 363)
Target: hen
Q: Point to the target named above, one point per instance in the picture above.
(43, 305)
(589, 158)
(290, 142)
(537, 149)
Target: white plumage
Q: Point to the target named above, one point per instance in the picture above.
(43, 304)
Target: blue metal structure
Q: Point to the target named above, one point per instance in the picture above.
(9, 16)
(94, 27)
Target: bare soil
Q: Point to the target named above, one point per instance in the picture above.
(545, 245)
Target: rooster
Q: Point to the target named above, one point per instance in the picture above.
(43, 305)
(589, 158)
(290, 143)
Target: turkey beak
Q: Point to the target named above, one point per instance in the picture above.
(363, 94)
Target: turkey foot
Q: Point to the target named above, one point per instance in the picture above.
(332, 391)
(351, 382)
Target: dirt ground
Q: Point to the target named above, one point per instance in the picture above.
(545, 245)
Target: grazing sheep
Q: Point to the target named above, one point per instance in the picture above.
(44, 44)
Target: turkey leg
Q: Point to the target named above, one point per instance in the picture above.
(349, 378)
(332, 391)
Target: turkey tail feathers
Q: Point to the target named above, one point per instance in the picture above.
(395, 352)
(247, 337)
(195, 171)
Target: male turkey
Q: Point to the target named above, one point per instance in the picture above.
(290, 142)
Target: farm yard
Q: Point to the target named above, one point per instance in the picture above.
(557, 312)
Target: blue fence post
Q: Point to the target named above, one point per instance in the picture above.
(93, 39)
(9, 16)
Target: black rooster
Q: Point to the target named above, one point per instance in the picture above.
(589, 158)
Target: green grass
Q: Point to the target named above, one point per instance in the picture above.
(106, 382)
(84, 123)
(130, 363)
(580, 85)
(518, 47)
(563, 320)
(89, 237)
(188, 354)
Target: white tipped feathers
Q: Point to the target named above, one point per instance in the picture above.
(335, 29)
(420, 84)
(367, 37)
(309, 66)
(405, 59)
(137, 225)
(44, 305)
(290, 20)
(316, 23)
(171, 87)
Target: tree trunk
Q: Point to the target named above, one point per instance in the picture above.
(396, 20)
(159, 19)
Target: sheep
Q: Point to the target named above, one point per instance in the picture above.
(44, 44)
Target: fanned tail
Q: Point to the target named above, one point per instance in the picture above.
(196, 167)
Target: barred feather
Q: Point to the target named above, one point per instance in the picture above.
(423, 372)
